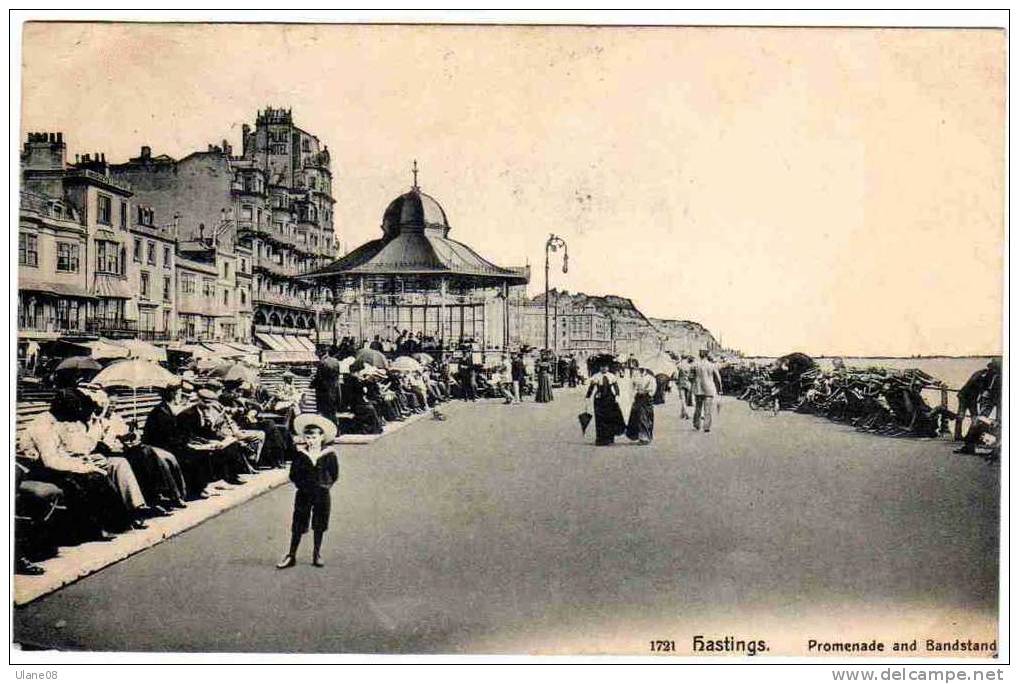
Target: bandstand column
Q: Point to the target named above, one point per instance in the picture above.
(442, 311)
(360, 309)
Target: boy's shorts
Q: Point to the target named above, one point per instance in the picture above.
(314, 505)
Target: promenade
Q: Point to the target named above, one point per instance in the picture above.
(503, 530)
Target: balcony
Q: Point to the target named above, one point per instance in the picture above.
(290, 301)
(111, 327)
(283, 330)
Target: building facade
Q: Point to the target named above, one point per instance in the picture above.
(271, 207)
(94, 261)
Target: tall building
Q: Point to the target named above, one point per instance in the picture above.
(79, 269)
(273, 202)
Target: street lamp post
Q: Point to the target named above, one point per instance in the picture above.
(553, 243)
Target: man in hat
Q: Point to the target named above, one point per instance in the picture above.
(203, 425)
(165, 433)
(706, 386)
(313, 470)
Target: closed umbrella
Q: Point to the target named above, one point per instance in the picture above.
(373, 357)
(405, 364)
(135, 373)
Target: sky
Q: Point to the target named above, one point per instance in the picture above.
(833, 191)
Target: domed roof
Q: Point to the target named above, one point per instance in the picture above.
(414, 211)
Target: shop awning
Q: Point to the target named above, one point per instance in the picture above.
(271, 342)
(140, 349)
(58, 289)
(111, 287)
(306, 343)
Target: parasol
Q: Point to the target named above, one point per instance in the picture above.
(423, 358)
(371, 356)
(135, 374)
(405, 364)
(657, 363)
(235, 371)
(81, 363)
(346, 363)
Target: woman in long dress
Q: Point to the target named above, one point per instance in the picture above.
(608, 419)
(544, 392)
(641, 426)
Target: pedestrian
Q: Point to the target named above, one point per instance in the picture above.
(519, 375)
(546, 366)
(706, 386)
(313, 470)
(641, 425)
(608, 419)
(683, 370)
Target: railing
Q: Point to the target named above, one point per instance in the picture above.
(284, 330)
(111, 326)
(281, 300)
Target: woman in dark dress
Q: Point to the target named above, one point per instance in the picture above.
(608, 418)
(544, 367)
(641, 425)
(326, 384)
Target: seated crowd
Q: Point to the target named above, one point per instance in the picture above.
(82, 458)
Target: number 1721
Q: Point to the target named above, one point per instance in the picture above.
(659, 646)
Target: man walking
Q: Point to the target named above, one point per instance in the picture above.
(707, 385)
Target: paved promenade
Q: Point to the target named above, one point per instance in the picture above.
(503, 530)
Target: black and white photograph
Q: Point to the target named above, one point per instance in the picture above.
(517, 339)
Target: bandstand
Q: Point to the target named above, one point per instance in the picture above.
(416, 278)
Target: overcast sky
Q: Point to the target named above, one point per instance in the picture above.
(830, 191)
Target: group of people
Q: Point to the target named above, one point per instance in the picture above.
(616, 386)
(204, 436)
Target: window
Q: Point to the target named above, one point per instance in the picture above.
(107, 257)
(259, 214)
(67, 257)
(145, 284)
(147, 319)
(68, 312)
(152, 253)
(246, 213)
(138, 250)
(105, 210)
(226, 269)
(166, 257)
(187, 283)
(28, 249)
(244, 265)
(123, 215)
(226, 297)
(208, 287)
(244, 298)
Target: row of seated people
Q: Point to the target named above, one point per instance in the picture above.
(376, 398)
(85, 474)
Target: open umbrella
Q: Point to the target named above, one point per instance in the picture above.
(235, 371)
(135, 374)
(81, 363)
(658, 362)
(371, 356)
(423, 358)
(346, 363)
(405, 364)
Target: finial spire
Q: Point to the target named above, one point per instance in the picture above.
(415, 171)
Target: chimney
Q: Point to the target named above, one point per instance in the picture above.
(44, 151)
(146, 152)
